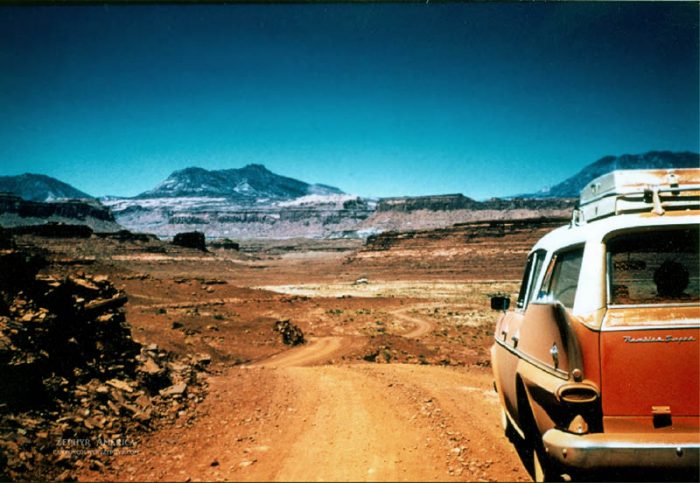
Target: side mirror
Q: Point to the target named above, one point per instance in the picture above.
(499, 302)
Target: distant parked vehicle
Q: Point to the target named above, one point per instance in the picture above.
(597, 368)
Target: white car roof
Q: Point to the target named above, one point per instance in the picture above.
(596, 231)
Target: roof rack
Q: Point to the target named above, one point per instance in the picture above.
(638, 191)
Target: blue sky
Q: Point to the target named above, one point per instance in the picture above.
(485, 99)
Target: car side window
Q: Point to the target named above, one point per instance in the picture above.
(539, 262)
(532, 272)
(561, 279)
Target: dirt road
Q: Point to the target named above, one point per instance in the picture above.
(422, 409)
(317, 349)
(422, 326)
(286, 419)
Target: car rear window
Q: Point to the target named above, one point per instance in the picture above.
(658, 266)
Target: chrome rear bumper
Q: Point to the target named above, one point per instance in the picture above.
(623, 450)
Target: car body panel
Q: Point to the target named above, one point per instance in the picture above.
(600, 381)
(650, 368)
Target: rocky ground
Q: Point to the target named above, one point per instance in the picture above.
(76, 387)
(392, 381)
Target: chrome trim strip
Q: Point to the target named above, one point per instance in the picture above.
(651, 306)
(540, 365)
(626, 328)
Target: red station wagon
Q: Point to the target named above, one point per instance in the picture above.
(597, 368)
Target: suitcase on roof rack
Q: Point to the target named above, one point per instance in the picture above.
(640, 190)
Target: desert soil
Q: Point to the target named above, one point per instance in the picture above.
(393, 383)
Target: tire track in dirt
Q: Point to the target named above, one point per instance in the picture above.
(321, 349)
(463, 408)
(423, 327)
(355, 433)
(315, 350)
(360, 422)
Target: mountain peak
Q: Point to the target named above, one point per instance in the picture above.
(249, 183)
(191, 169)
(39, 187)
(571, 187)
(255, 167)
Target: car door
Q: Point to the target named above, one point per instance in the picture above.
(507, 336)
(547, 343)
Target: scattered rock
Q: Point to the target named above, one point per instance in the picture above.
(291, 334)
(212, 281)
(150, 367)
(122, 385)
(174, 390)
(202, 360)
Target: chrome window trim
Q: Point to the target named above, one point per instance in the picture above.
(551, 260)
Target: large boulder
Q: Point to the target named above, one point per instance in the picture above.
(191, 239)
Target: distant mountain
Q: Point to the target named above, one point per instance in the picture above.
(38, 187)
(571, 187)
(252, 182)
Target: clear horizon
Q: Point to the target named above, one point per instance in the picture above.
(483, 99)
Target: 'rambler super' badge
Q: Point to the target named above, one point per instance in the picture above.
(668, 338)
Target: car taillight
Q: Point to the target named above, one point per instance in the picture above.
(578, 394)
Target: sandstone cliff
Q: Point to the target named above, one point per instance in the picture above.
(15, 211)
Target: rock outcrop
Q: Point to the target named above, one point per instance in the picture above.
(456, 202)
(313, 216)
(53, 230)
(473, 250)
(76, 388)
(191, 239)
(16, 212)
(253, 203)
(291, 334)
(224, 244)
(432, 203)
